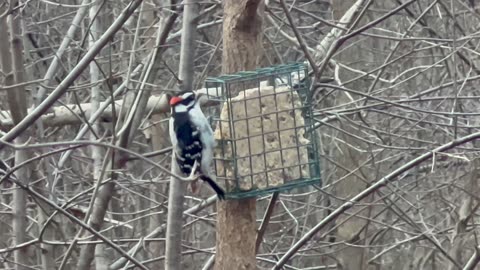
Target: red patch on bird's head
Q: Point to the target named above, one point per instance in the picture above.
(175, 100)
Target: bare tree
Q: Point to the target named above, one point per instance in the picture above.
(393, 86)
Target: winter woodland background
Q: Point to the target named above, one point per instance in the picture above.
(396, 96)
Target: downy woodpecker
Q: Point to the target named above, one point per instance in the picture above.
(192, 138)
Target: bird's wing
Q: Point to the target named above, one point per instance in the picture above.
(206, 137)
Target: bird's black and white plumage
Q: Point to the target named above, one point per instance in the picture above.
(192, 138)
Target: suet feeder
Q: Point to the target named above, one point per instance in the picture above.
(264, 130)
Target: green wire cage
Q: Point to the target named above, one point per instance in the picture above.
(264, 130)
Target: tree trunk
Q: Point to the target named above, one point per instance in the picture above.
(18, 107)
(101, 262)
(173, 247)
(236, 227)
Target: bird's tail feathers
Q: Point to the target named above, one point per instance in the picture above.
(220, 192)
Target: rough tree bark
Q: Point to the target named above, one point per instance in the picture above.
(236, 227)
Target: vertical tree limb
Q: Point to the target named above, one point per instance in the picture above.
(18, 107)
(173, 248)
(95, 96)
